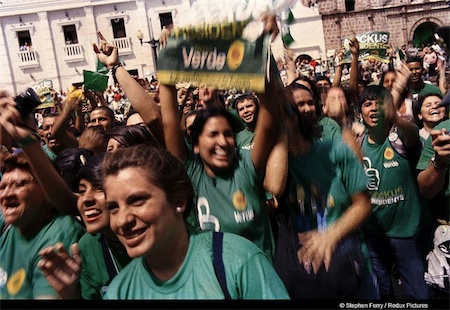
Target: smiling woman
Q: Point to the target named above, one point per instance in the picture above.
(149, 196)
(33, 224)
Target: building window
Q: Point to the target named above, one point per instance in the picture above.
(349, 5)
(165, 19)
(24, 40)
(70, 34)
(118, 26)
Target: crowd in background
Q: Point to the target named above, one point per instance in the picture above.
(116, 191)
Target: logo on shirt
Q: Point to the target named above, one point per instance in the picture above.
(388, 153)
(239, 201)
(15, 283)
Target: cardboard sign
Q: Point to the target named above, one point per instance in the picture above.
(215, 55)
(372, 45)
(43, 89)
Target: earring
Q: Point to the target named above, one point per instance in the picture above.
(179, 209)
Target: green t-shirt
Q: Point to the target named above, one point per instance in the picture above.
(330, 128)
(233, 202)
(94, 278)
(248, 272)
(321, 183)
(427, 89)
(49, 152)
(20, 278)
(440, 204)
(244, 139)
(398, 208)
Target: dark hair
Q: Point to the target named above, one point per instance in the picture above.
(205, 114)
(309, 129)
(323, 78)
(91, 172)
(16, 160)
(129, 135)
(415, 59)
(418, 105)
(163, 170)
(373, 92)
(245, 96)
(69, 162)
(313, 91)
(107, 110)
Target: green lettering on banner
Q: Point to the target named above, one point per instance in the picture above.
(372, 45)
(215, 55)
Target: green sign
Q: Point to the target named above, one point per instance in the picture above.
(215, 55)
(372, 45)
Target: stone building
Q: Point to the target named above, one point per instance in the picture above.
(407, 21)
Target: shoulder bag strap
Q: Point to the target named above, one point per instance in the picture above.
(219, 268)
(107, 255)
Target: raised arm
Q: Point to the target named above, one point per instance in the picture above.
(266, 129)
(140, 100)
(354, 49)
(441, 65)
(71, 106)
(173, 134)
(55, 188)
(338, 74)
(408, 130)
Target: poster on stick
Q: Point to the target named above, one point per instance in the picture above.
(373, 45)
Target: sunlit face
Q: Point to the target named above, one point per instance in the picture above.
(372, 113)
(304, 102)
(388, 80)
(92, 207)
(141, 216)
(46, 132)
(113, 145)
(100, 117)
(430, 113)
(207, 95)
(335, 103)
(22, 199)
(416, 71)
(247, 110)
(216, 145)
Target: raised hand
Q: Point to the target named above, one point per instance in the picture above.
(107, 53)
(61, 270)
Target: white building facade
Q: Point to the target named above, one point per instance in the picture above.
(52, 39)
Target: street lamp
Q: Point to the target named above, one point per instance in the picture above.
(153, 43)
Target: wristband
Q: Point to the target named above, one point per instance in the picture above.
(30, 139)
(114, 68)
(438, 166)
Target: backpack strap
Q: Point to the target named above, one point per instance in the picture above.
(219, 268)
(109, 259)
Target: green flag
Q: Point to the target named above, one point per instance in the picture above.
(95, 81)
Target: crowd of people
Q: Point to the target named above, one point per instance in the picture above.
(314, 189)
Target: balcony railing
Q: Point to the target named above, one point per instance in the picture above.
(124, 45)
(28, 59)
(73, 53)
